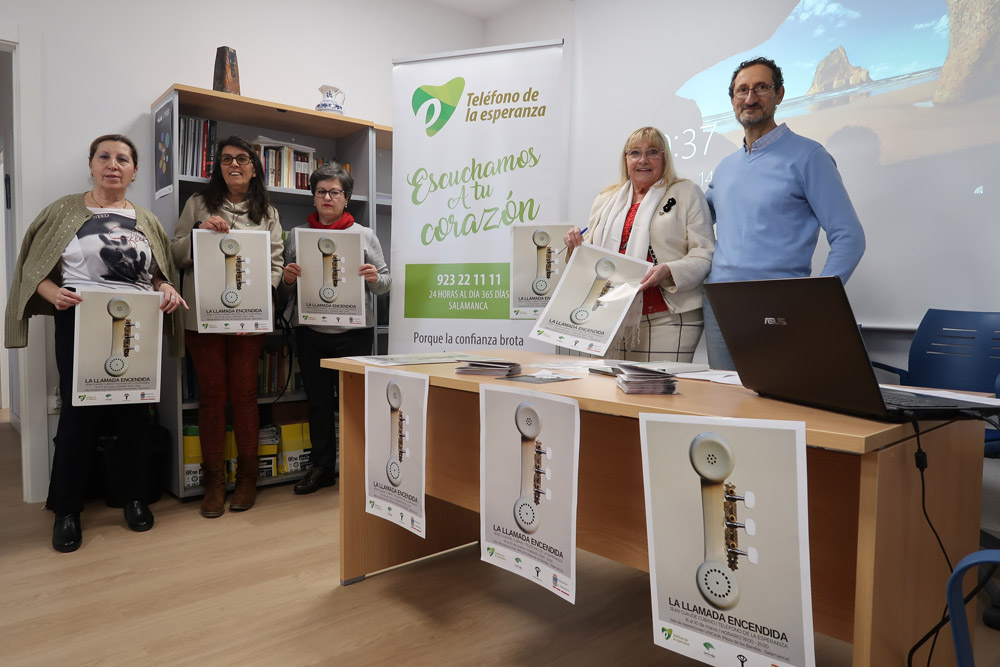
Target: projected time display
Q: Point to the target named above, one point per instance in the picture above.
(686, 145)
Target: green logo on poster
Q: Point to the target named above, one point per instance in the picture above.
(490, 550)
(371, 503)
(667, 632)
(708, 646)
(83, 396)
(434, 105)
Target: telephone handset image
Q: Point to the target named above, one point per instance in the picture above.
(543, 265)
(331, 268)
(526, 509)
(712, 458)
(605, 268)
(235, 269)
(397, 419)
(122, 335)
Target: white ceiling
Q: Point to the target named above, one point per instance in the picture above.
(484, 9)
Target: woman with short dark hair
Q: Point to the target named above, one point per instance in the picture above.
(332, 186)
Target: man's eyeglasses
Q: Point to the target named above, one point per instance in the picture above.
(760, 90)
(333, 194)
(636, 154)
(242, 159)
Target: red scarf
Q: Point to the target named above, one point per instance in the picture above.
(345, 221)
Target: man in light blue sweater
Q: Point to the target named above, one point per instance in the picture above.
(770, 198)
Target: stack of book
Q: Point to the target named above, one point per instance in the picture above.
(494, 368)
(638, 380)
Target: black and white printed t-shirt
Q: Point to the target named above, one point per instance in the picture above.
(108, 253)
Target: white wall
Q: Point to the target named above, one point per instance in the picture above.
(105, 62)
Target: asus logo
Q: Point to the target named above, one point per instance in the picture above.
(775, 321)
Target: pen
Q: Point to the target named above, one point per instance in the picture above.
(582, 231)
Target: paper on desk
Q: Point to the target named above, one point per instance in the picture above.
(722, 377)
(942, 393)
(541, 377)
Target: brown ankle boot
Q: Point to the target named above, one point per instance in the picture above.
(214, 480)
(246, 484)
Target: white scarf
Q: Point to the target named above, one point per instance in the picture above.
(608, 235)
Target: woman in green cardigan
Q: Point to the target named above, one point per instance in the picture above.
(98, 239)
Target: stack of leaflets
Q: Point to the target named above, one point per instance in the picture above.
(634, 379)
(609, 365)
(494, 368)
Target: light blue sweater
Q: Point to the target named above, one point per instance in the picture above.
(769, 205)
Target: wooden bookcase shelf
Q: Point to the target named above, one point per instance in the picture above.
(363, 144)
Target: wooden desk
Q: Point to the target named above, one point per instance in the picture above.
(878, 577)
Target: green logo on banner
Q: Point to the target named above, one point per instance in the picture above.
(667, 632)
(434, 105)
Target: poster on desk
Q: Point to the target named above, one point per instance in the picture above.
(330, 291)
(591, 300)
(395, 446)
(116, 358)
(232, 281)
(537, 262)
(529, 459)
(727, 530)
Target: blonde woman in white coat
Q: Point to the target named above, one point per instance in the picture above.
(652, 214)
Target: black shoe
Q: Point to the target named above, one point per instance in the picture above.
(66, 533)
(316, 479)
(138, 515)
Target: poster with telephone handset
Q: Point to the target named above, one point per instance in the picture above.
(591, 300)
(529, 459)
(232, 281)
(537, 262)
(728, 535)
(395, 447)
(330, 291)
(116, 358)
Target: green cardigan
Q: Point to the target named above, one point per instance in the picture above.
(41, 250)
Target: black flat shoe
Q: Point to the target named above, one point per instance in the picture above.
(138, 515)
(316, 479)
(66, 533)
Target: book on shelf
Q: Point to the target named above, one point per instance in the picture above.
(197, 147)
(286, 165)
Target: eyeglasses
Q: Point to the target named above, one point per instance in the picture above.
(243, 159)
(333, 194)
(760, 90)
(652, 154)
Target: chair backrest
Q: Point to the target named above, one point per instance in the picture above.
(956, 605)
(955, 349)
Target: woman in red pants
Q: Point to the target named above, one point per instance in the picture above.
(226, 364)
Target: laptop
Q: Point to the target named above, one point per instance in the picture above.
(796, 340)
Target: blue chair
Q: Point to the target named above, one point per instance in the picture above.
(955, 349)
(956, 603)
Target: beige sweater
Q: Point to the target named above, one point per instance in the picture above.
(234, 214)
(682, 238)
(41, 250)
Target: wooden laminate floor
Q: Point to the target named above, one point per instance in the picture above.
(262, 588)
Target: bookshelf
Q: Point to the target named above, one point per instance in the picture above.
(363, 144)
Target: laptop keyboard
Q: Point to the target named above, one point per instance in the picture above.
(901, 400)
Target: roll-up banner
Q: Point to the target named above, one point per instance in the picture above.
(477, 150)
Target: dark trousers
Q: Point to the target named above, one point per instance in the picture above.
(226, 365)
(79, 429)
(321, 383)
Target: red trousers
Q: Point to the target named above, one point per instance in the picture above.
(226, 365)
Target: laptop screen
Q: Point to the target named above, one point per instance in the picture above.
(797, 340)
